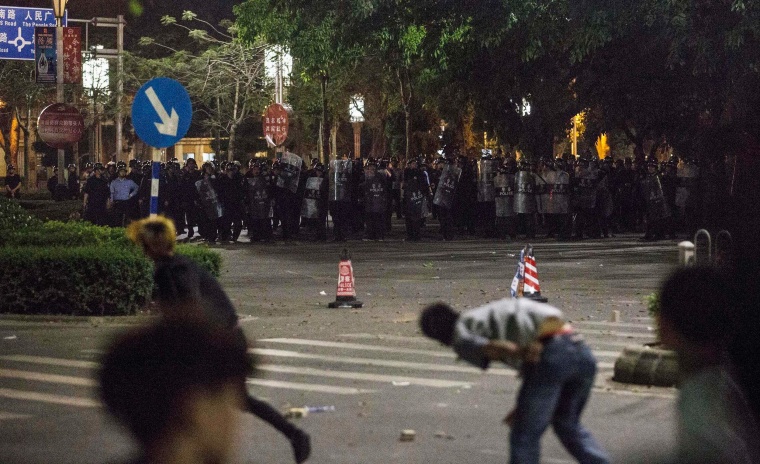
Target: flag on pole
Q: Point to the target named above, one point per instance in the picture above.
(519, 276)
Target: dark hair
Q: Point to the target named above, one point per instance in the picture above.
(437, 321)
(147, 372)
(700, 302)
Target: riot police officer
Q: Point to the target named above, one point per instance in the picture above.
(259, 200)
(314, 207)
(375, 190)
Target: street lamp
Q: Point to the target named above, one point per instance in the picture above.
(356, 116)
(59, 9)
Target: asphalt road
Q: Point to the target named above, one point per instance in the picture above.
(371, 364)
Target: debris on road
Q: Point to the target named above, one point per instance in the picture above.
(400, 384)
(11, 337)
(407, 435)
(444, 435)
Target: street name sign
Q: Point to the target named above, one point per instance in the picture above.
(60, 125)
(17, 30)
(161, 112)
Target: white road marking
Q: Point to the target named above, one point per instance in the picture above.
(614, 333)
(12, 415)
(49, 398)
(396, 338)
(381, 362)
(615, 324)
(50, 378)
(51, 361)
(358, 346)
(361, 376)
(308, 387)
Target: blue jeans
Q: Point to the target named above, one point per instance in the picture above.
(555, 391)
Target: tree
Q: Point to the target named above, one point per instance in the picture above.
(226, 80)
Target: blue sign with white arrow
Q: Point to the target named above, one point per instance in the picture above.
(161, 112)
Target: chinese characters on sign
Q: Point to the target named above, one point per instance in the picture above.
(44, 52)
(17, 30)
(47, 61)
(72, 55)
(60, 125)
(345, 280)
(275, 124)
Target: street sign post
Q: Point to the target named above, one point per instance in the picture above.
(161, 116)
(60, 125)
(275, 124)
(17, 30)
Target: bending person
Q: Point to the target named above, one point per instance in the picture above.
(178, 286)
(557, 368)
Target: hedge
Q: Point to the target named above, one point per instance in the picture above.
(49, 210)
(74, 281)
(76, 268)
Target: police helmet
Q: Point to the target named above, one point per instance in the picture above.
(191, 161)
(72, 165)
(88, 165)
(97, 166)
(121, 164)
(208, 164)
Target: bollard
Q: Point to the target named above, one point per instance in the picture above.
(686, 253)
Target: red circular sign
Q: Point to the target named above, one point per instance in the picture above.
(60, 125)
(276, 124)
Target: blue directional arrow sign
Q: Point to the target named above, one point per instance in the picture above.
(161, 112)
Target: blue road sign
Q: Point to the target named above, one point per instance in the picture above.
(161, 112)
(17, 30)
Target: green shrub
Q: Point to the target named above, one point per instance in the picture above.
(106, 280)
(49, 210)
(14, 217)
(68, 234)
(207, 259)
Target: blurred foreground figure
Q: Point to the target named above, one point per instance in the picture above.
(185, 291)
(557, 367)
(698, 320)
(179, 388)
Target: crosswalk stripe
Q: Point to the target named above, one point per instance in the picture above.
(50, 378)
(615, 333)
(49, 398)
(361, 376)
(616, 324)
(51, 361)
(380, 338)
(379, 362)
(357, 346)
(308, 387)
(12, 415)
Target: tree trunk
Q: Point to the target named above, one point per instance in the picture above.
(325, 135)
(231, 143)
(406, 100)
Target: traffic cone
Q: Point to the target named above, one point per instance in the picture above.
(532, 288)
(345, 295)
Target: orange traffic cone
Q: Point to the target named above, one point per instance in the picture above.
(345, 295)
(532, 287)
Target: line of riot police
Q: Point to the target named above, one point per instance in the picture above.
(492, 197)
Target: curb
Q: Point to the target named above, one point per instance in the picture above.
(643, 365)
(66, 319)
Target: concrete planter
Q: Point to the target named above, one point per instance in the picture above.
(643, 365)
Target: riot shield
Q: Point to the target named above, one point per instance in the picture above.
(544, 184)
(559, 195)
(210, 204)
(375, 194)
(525, 197)
(259, 203)
(688, 178)
(414, 197)
(486, 172)
(290, 171)
(504, 192)
(340, 180)
(657, 207)
(447, 185)
(586, 194)
(312, 198)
